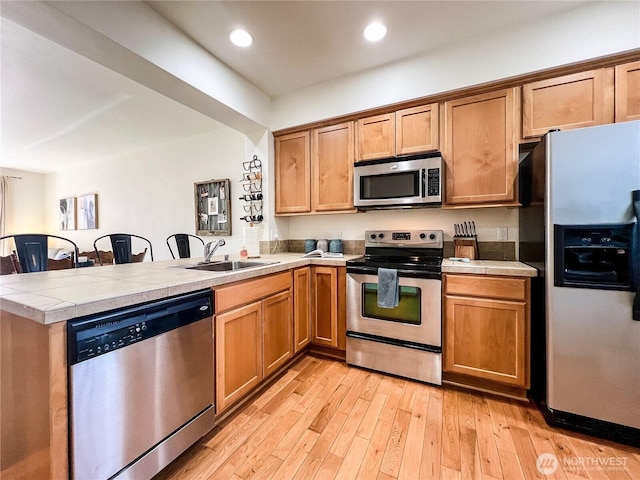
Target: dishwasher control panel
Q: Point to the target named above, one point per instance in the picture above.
(112, 340)
(100, 334)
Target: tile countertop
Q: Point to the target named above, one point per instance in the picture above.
(60, 295)
(489, 267)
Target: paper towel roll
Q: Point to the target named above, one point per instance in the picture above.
(251, 240)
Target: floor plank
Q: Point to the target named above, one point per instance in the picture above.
(324, 420)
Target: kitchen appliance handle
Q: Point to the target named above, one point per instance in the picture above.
(360, 270)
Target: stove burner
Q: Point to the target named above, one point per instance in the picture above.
(411, 252)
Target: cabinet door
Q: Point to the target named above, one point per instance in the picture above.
(325, 306)
(238, 353)
(627, 92)
(486, 339)
(571, 101)
(376, 137)
(277, 328)
(417, 129)
(301, 308)
(480, 149)
(293, 173)
(332, 167)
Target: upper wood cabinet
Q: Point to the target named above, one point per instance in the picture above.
(376, 137)
(627, 92)
(332, 167)
(314, 170)
(417, 129)
(479, 147)
(405, 132)
(293, 173)
(573, 101)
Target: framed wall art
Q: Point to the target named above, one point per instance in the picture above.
(88, 211)
(67, 210)
(213, 207)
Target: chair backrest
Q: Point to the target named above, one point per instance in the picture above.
(10, 264)
(182, 242)
(99, 258)
(121, 247)
(33, 248)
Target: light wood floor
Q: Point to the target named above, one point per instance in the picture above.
(326, 420)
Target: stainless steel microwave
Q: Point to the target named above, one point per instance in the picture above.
(409, 182)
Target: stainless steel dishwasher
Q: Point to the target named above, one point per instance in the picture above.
(140, 386)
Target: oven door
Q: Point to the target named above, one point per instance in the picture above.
(416, 319)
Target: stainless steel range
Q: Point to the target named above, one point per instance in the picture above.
(404, 340)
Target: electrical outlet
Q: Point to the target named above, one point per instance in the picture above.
(503, 234)
(274, 235)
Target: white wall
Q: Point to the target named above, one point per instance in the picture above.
(150, 193)
(25, 201)
(353, 226)
(597, 29)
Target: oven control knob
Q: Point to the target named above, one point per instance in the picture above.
(423, 235)
(373, 236)
(432, 236)
(381, 235)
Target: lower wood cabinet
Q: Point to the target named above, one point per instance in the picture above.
(328, 307)
(301, 308)
(253, 334)
(277, 332)
(486, 330)
(238, 344)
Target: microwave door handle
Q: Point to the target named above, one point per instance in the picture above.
(423, 174)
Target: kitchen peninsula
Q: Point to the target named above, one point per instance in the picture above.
(35, 308)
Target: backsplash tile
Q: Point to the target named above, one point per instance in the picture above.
(487, 250)
(351, 247)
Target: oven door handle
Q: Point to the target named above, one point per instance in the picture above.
(360, 270)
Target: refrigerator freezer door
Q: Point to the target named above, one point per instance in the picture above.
(591, 173)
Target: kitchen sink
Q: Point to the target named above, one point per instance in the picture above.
(226, 266)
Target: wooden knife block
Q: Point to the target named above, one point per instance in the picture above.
(466, 247)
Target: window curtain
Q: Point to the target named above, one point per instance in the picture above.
(4, 194)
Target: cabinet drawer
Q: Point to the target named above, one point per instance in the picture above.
(486, 286)
(247, 291)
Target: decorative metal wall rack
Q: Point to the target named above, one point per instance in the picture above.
(252, 191)
(213, 207)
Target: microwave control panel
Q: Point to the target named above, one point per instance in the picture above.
(433, 182)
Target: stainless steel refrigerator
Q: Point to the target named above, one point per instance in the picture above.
(578, 226)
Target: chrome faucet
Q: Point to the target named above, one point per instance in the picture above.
(209, 250)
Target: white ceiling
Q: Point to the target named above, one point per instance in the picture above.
(300, 43)
(60, 109)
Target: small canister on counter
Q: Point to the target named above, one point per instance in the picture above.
(323, 245)
(309, 245)
(336, 246)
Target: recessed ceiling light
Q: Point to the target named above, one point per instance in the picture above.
(375, 31)
(240, 38)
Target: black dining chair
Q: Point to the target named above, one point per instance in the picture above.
(121, 247)
(182, 244)
(33, 251)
